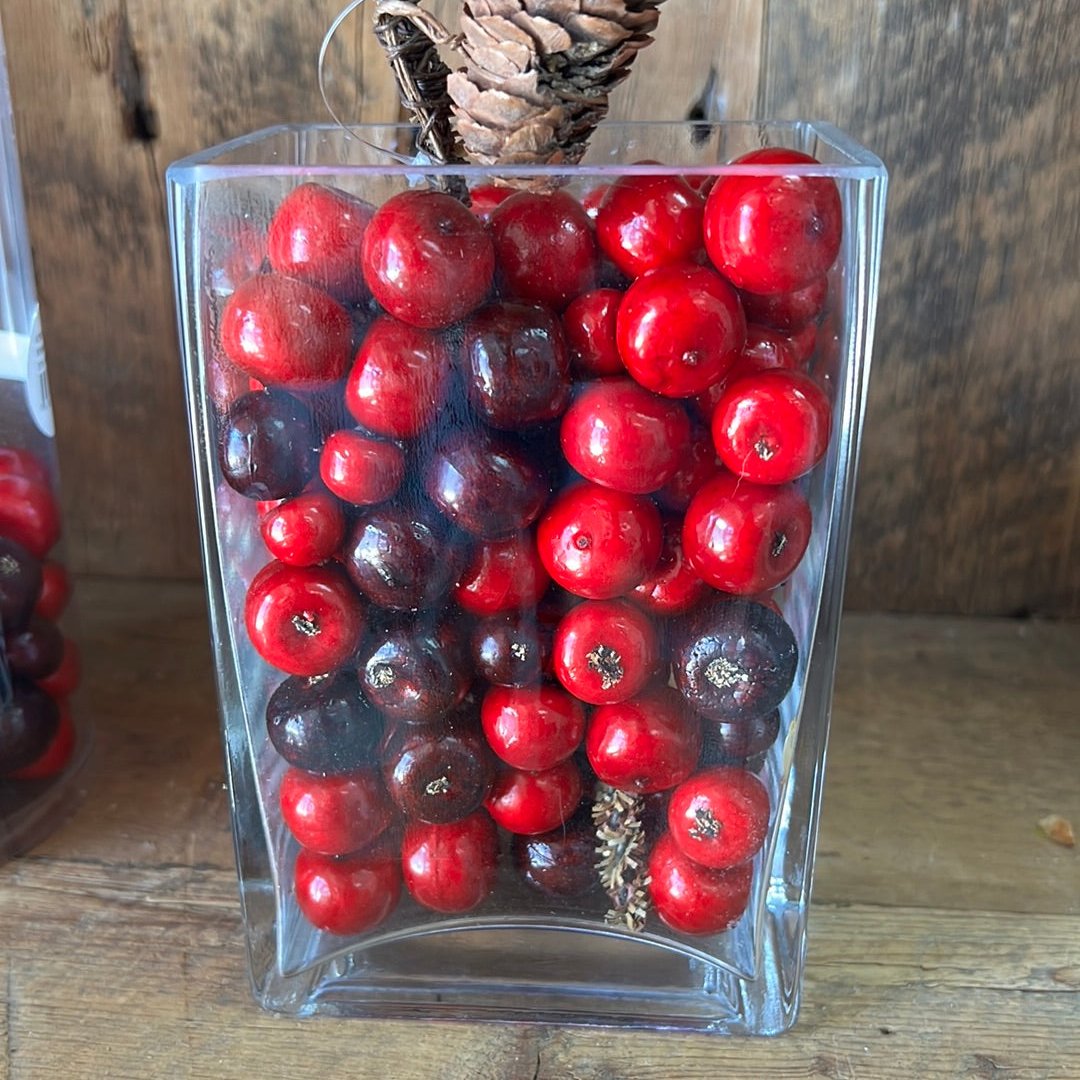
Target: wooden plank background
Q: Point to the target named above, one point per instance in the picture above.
(970, 489)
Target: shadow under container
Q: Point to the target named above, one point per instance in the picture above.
(520, 954)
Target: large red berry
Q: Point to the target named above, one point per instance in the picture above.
(773, 234)
(649, 743)
(532, 728)
(335, 815)
(305, 530)
(427, 259)
(694, 899)
(55, 590)
(304, 620)
(772, 427)
(673, 587)
(347, 895)
(719, 817)
(646, 222)
(589, 327)
(679, 329)
(599, 543)
(28, 514)
(450, 868)
(619, 435)
(316, 234)
(399, 380)
(745, 538)
(605, 651)
(361, 469)
(788, 311)
(287, 333)
(545, 247)
(502, 575)
(535, 802)
(561, 862)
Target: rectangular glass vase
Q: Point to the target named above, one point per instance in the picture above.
(521, 952)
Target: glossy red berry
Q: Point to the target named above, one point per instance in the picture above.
(305, 620)
(64, 679)
(803, 344)
(719, 817)
(544, 246)
(58, 752)
(673, 587)
(346, 895)
(485, 197)
(679, 329)
(773, 234)
(765, 349)
(316, 234)
(36, 650)
(535, 802)
(16, 461)
(305, 530)
(649, 743)
(532, 728)
(28, 724)
(286, 333)
(427, 259)
(55, 590)
(737, 742)
(335, 815)
(21, 577)
(560, 863)
(691, 898)
(450, 868)
(646, 222)
(772, 427)
(589, 328)
(605, 651)
(399, 380)
(511, 649)
(599, 543)
(619, 435)
(29, 514)
(697, 465)
(743, 537)
(502, 575)
(516, 365)
(361, 469)
(788, 311)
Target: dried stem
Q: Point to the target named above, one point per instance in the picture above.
(620, 851)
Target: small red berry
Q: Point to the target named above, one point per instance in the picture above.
(29, 514)
(15, 461)
(535, 802)
(698, 465)
(485, 197)
(361, 469)
(788, 311)
(765, 348)
(335, 815)
(305, 530)
(55, 590)
(679, 329)
(63, 681)
(346, 895)
(719, 817)
(532, 728)
(589, 328)
(803, 343)
(502, 575)
(673, 587)
(743, 537)
(58, 752)
(694, 899)
(450, 868)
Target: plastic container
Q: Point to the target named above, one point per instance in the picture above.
(42, 748)
(458, 417)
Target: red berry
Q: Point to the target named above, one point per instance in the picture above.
(744, 537)
(28, 514)
(802, 343)
(673, 587)
(503, 575)
(28, 724)
(426, 259)
(697, 465)
(535, 802)
(589, 328)
(450, 868)
(605, 651)
(599, 543)
(765, 348)
(691, 898)
(58, 752)
(719, 817)
(361, 469)
(55, 590)
(532, 728)
(62, 682)
(561, 862)
(619, 435)
(646, 222)
(335, 815)
(21, 579)
(287, 333)
(346, 895)
(316, 235)
(773, 234)
(679, 329)
(772, 427)
(399, 380)
(485, 197)
(36, 650)
(15, 461)
(303, 620)
(305, 530)
(788, 311)
(649, 743)
(512, 649)
(545, 247)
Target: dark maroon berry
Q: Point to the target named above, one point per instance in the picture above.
(403, 559)
(486, 484)
(511, 649)
(36, 651)
(517, 368)
(561, 862)
(734, 660)
(27, 724)
(438, 775)
(739, 742)
(323, 724)
(266, 446)
(415, 674)
(20, 584)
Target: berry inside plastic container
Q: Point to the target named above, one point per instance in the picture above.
(524, 520)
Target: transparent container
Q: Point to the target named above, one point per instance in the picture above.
(42, 747)
(488, 924)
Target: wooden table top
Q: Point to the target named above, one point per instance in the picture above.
(944, 937)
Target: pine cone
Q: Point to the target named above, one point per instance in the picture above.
(539, 73)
